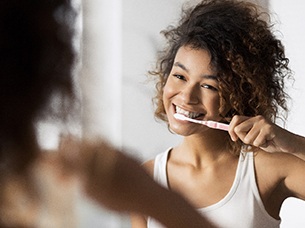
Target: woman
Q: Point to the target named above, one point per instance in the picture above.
(223, 63)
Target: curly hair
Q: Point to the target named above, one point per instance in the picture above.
(249, 60)
(36, 60)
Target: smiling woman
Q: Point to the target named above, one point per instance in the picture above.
(191, 89)
(249, 86)
(223, 63)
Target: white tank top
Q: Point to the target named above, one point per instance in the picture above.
(242, 207)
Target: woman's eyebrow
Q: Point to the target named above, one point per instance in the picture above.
(180, 65)
(210, 76)
(205, 76)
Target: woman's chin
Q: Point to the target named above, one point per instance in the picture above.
(181, 130)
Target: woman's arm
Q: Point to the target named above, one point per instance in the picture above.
(130, 188)
(118, 182)
(294, 180)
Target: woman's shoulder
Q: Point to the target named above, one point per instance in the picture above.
(278, 162)
(263, 156)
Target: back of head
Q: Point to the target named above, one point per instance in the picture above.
(36, 58)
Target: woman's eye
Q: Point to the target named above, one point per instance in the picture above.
(206, 86)
(181, 77)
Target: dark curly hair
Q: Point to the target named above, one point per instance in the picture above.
(36, 62)
(249, 59)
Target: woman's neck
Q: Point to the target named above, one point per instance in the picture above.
(205, 147)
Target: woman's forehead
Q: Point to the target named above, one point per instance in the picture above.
(191, 59)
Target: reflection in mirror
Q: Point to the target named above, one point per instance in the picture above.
(121, 41)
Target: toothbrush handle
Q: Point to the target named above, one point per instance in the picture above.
(216, 125)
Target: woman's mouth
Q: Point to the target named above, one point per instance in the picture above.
(188, 114)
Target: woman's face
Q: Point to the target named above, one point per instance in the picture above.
(192, 90)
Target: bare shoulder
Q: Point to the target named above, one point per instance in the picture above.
(272, 157)
(279, 162)
(149, 166)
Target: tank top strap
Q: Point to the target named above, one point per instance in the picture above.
(160, 164)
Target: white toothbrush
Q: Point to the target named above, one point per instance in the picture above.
(209, 123)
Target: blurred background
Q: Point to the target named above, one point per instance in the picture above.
(120, 43)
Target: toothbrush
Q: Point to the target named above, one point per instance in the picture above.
(209, 123)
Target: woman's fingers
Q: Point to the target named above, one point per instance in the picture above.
(256, 131)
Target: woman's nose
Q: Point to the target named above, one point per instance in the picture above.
(191, 94)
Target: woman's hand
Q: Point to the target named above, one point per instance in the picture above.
(259, 132)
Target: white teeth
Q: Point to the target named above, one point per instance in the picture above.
(187, 113)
